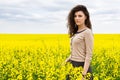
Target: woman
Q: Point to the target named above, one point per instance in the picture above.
(80, 31)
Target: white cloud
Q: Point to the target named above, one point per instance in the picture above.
(52, 15)
(11, 1)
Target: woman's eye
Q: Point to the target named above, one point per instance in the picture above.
(77, 15)
(80, 15)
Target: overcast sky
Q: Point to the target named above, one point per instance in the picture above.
(50, 16)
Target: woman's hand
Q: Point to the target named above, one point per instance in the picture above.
(83, 78)
(67, 60)
(63, 63)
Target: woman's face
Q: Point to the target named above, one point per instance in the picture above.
(79, 18)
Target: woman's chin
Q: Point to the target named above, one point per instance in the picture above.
(78, 24)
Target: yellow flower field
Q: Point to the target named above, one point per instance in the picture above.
(42, 56)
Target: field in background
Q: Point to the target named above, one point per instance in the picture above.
(39, 57)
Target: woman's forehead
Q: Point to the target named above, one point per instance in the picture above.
(79, 13)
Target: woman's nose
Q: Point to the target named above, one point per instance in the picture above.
(77, 17)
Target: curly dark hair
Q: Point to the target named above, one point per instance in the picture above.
(71, 22)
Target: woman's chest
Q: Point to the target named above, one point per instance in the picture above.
(77, 38)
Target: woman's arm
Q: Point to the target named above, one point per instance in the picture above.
(68, 59)
(89, 49)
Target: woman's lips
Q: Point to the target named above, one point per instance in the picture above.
(77, 21)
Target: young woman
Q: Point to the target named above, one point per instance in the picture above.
(80, 31)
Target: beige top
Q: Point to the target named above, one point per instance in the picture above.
(82, 46)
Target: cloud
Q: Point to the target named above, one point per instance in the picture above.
(40, 11)
(53, 13)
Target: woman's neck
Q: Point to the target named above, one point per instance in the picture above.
(81, 27)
